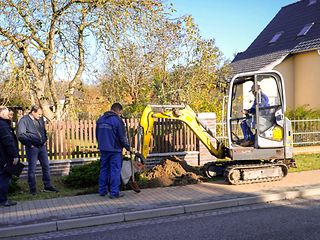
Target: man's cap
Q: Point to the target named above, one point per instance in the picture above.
(252, 88)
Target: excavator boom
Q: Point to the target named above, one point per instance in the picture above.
(184, 114)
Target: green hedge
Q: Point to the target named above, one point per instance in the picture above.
(303, 112)
(14, 186)
(83, 176)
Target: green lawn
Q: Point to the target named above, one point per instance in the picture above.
(304, 162)
(24, 195)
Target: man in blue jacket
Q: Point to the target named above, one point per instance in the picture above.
(32, 133)
(251, 122)
(112, 138)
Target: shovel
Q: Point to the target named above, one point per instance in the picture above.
(133, 184)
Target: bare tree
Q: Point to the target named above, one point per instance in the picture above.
(53, 39)
(174, 65)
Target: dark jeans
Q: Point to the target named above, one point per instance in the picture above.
(5, 180)
(33, 155)
(110, 171)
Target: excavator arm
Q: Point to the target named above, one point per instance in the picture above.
(184, 114)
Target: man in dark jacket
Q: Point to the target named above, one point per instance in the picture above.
(111, 137)
(32, 133)
(9, 154)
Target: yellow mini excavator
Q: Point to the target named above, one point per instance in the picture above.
(270, 153)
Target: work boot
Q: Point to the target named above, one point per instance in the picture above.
(50, 189)
(117, 196)
(247, 143)
(8, 203)
(135, 187)
(33, 191)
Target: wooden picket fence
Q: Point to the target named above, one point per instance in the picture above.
(77, 139)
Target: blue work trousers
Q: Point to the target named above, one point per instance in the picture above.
(5, 179)
(110, 171)
(247, 133)
(33, 155)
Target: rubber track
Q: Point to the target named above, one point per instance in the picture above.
(250, 167)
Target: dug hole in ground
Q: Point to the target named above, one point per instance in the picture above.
(169, 172)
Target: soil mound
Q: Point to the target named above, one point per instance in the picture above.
(171, 172)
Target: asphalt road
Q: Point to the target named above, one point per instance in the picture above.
(295, 220)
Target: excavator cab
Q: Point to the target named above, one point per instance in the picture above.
(256, 110)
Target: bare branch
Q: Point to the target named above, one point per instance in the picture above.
(28, 23)
(76, 79)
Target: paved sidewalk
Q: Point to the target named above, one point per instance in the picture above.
(88, 210)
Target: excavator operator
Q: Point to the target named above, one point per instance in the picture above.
(250, 121)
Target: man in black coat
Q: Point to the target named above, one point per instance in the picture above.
(9, 154)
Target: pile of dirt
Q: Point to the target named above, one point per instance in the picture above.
(171, 172)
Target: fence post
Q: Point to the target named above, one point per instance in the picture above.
(210, 120)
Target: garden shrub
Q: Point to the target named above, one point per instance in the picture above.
(83, 176)
(303, 112)
(14, 186)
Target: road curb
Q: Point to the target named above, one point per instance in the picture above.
(89, 221)
(198, 207)
(310, 192)
(28, 229)
(153, 213)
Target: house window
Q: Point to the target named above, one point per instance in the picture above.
(305, 29)
(276, 37)
(311, 2)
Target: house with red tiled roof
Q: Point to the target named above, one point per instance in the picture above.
(290, 44)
